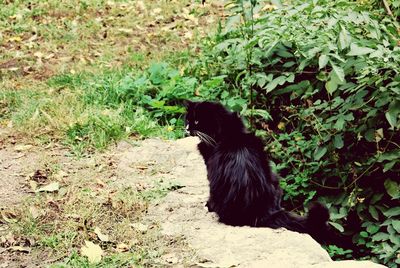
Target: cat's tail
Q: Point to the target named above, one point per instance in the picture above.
(320, 230)
(315, 224)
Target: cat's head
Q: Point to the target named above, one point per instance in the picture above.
(211, 121)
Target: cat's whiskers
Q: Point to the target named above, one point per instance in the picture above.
(206, 138)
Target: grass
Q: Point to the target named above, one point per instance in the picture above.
(79, 74)
(57, 59)
(44, 38)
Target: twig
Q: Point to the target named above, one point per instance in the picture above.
(385, 3)
(324, 186)
(361, 175)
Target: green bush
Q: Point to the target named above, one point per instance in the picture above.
(328, 75)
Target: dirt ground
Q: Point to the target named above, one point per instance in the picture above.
(24, 168)
(22, 162)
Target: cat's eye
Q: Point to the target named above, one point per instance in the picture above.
(196, 122)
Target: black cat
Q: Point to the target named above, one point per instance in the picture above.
(243, 190)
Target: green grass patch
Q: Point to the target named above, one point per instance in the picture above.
(89, 111)
(77, 72)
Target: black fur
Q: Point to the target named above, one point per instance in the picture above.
(243, 190)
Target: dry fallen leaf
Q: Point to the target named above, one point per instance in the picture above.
(170, 258)
(92, 251)
(52, 187)
(100, 183)
(15, 39)
(20, 249)
(141, 6)
(60, 174)
(139, 227)
(35, 213)
(100, 235)
(8, 216)
(38, 54)
(156, 11)
(281, 125)
(19, 155)
(379, 135)
(122, 247)
(22, 147)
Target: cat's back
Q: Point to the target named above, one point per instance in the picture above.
(245, 145)
(244, 156)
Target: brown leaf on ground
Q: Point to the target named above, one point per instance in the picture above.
(100, 235)
(20, 249)
(92, 251)
(40, 176)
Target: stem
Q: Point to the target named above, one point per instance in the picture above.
(326, 187)
(361, 175)
(249, 57)
(385, 3)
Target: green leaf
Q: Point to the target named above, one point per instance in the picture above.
(393, 113)
(338, 73)
(319, 153)
(331, 86)
(372, 228)
(322, 61)
(339, 123)
(392, 119)
(380, 236)
(349, 117)
(364, 234)
(289, 64)
(389, 165)
(395, 238)
(344, 38)
(290, 78)
(277, 3)
(392, 212)
(337, 226)
(376, 197)
(374, 212)
(376, 54)
(338, 141)
(258, 112)
(284, 53)
(356, 50)
(370, 135)
(392, 188)
(280, 80)
(389, 156)
(396, 225)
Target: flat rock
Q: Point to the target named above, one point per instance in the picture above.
(182, 213)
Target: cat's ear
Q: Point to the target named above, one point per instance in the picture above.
(187, 103)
